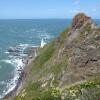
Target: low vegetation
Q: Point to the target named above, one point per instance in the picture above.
(66, 71)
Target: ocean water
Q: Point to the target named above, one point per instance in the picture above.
(21, 34)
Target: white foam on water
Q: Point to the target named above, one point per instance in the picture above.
(0, 97)
(7, 61)
(23, 55)
(35, 46)
(13, 82)
(45, 35)
(6, 52)
(10, 56)
(24, 45)
(17, 62)
(19, 65)
(2, 82)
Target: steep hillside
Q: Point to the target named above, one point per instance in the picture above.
(68, 68)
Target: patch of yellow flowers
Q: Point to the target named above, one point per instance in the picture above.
(23, 93)
(56, 91)
(73, 93)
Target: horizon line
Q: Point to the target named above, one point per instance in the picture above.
(30, 18)
(41, 18)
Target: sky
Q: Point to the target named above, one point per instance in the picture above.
(37, 9)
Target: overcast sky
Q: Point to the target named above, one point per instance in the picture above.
(31, 9)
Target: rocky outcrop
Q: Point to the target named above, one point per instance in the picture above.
(79, 20)
(83, 50)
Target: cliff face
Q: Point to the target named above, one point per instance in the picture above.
(68, 68)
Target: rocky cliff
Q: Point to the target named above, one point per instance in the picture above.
(68, 68)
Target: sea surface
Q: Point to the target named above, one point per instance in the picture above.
(20, 34)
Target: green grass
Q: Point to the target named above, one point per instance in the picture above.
(50, 94)
(45, 55)
(33, 86)
(63, 36)
(89, 90)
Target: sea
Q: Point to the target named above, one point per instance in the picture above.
(18, 34)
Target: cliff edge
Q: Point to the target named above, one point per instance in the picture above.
(68, 68)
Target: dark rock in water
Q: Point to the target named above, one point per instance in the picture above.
(13, 49)
(19, 70)
(14, 54)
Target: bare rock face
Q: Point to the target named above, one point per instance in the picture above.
(79, 20)
(82, 47)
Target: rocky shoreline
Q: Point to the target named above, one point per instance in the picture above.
(31, 53)
(13, 92)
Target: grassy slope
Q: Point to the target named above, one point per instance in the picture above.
(43, 66)
(45, 71)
